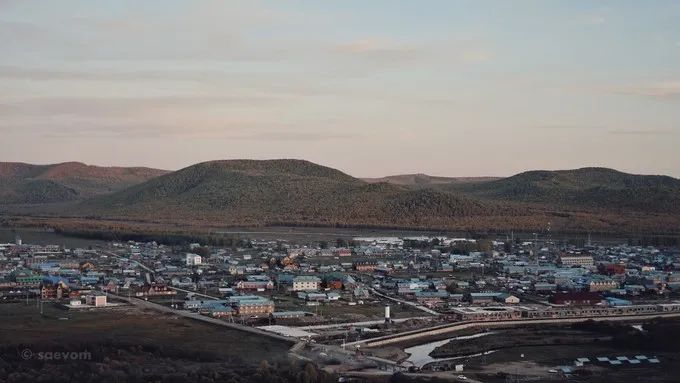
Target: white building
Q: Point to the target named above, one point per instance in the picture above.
(577, 260)
(306, 283)
(96, 300)
(193, 259)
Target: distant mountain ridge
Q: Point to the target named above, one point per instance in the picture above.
(298, 192)
(279, 191)
(22, 183)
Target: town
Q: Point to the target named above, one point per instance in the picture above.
(340, 191)
(354, 297)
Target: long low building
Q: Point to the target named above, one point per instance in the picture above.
(238, 305)
(475, 314)
(577, 260)
(486, 313)
(586, 298)
(251, 305)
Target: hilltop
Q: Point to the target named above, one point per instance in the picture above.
(596, 188)
(253, 193)
(246, 192)
(22, 183)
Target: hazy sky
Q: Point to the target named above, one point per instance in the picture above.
(457, 88)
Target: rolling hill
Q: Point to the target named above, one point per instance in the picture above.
(296, 192)
(22, 183)
(245, 192)
(595, 188)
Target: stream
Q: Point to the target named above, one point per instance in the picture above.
(419, 355)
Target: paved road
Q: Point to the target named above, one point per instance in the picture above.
(193, 292)
(384, 363)
(442, 329)
(412, 304)
(143, 266)
(366, 323)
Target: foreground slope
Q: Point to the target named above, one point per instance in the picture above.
(597, 188)
(22, 183)
(246, 192)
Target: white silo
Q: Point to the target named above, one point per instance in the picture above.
(387, 313)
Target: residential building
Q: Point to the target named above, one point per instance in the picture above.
(577, 260)
(96, 300)
(193, 259)
(342, 252)
(254, 285)
(507, 299)
(251, 305)
(576, 298)
(306, 283)
(366, 266)
(603, 285)
(483, 298)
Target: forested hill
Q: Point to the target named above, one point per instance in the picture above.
(587, 187)
(22, 183)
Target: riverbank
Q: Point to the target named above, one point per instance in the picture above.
(536, 354)
(124, 229)
(521, 337)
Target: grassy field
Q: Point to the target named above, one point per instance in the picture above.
(70, 330)
(127, 344)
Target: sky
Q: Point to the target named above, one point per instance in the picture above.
(373, 88)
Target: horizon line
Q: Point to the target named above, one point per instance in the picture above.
(335, 168)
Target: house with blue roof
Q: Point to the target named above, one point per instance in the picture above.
(46, 267)
(54, 280)
(87, 280)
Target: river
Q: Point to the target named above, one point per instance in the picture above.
(42, 237)
(420, 355)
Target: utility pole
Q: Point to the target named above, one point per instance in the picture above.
(536, 248)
